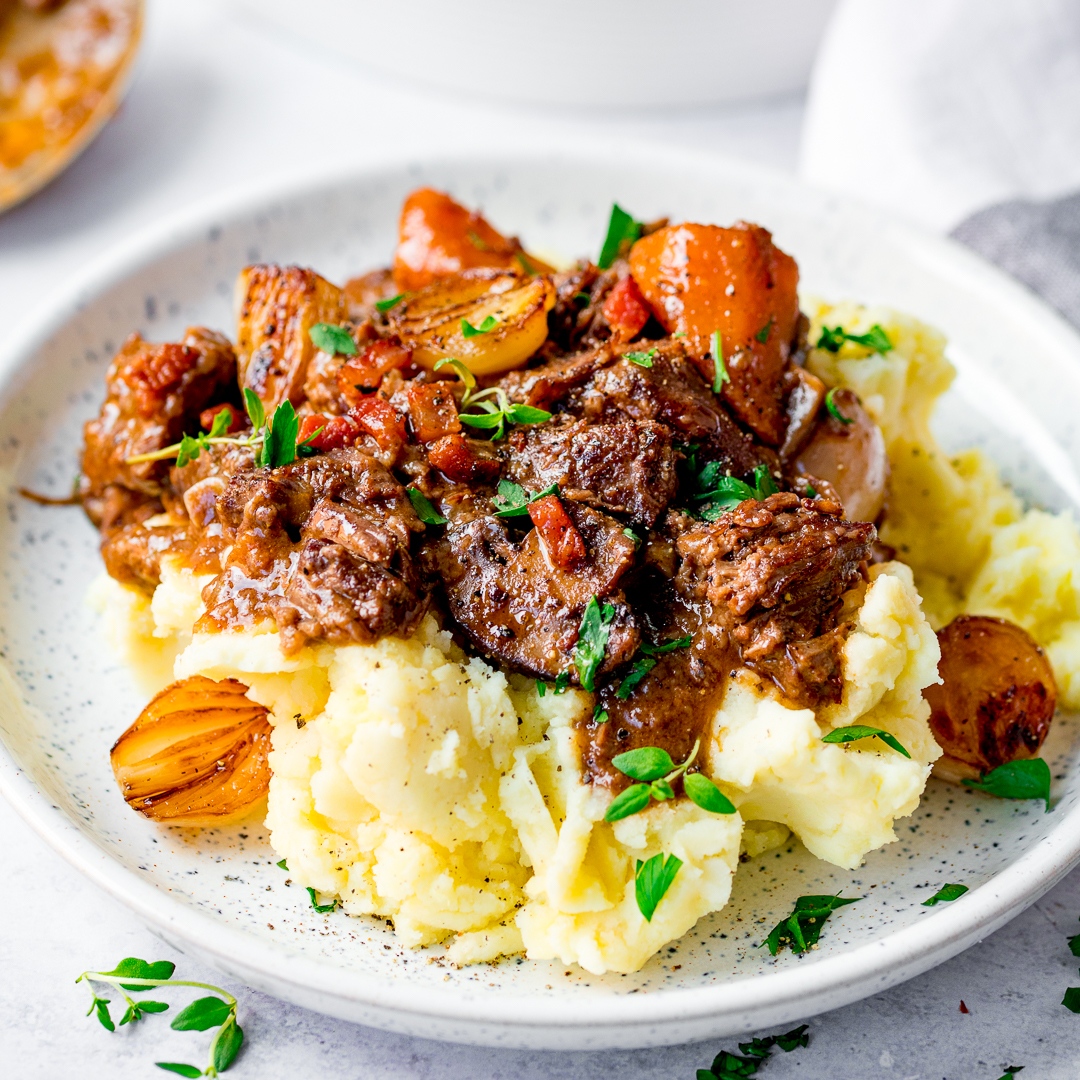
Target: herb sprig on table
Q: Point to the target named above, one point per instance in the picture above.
(729, 1066)
(135, 976)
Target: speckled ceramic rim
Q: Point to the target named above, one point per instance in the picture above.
(548, 1020)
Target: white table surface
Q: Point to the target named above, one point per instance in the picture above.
(221, 100)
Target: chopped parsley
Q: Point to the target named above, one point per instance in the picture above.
(720, 371)
(1027, 779)
(424, 510)
(668, 646)
(322, 909)
(470, 331)
(389, 302)
(652, 879)
(875, 338)
(622, 231)
(562, 680)
(834, 410)
(721, 493)
(945, 894)
(513, 501)
(645, 664)
(763, 334)
(333, 339)
(802, 928)
(592, 641)
(855, 732)
(642, 359)
(728, 1066)
(599, 716)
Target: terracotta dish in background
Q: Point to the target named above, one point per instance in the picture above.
(64, 68)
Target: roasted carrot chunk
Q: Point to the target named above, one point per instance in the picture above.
(698, 279)
(564, 544)
(432, 410)
(626, 310)
(439, 236)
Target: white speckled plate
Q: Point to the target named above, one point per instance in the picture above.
(64, 699)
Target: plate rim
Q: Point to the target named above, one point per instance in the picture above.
(798, 990)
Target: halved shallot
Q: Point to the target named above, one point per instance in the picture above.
(196, 755)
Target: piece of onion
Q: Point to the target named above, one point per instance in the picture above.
(197, 754)
(432, 322)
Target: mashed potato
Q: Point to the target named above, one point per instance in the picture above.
(424, 786)
(965, 534)
(421, 785)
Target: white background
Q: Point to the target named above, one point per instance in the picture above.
(221, 100)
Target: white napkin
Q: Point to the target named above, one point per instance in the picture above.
(937, 108)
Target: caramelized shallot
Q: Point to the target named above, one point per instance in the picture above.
(996, 699)
(196, 755)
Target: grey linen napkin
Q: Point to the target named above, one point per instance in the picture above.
(1037, 242)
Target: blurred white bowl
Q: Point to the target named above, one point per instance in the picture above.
(573, 52)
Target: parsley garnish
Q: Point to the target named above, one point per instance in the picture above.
(945, 894)
(599, 716)
(653, 768)
(583, 297)
(652, 879)
(192, 446)
(855, 732)
(513, 501)
(470, 331)
(562, 681)
(643, 666)
(642, 359)
(592, 641)
(525, 265)
(723, 493)
(390, 302)
(728, 1066)
(1027, 779)
(135, 975)
(322, 909)
(622, 231)
(281, 864)
(1011, 1071)
(802, 928)
(875, 338)
(668, 646)
(333, 339)
(279, 441)
(834, 410)
(720, 372)
(763, 334)
(1071, 1000)
(638, 672)
(424, 510)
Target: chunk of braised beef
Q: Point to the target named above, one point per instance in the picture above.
(323, 547)
(626, 467)
(154, 394)
(773, 574)
(515, 606)
(132, 553)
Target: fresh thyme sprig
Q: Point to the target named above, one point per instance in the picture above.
(275, 442)
(135, 975)
(655, 770)
(495, 414)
